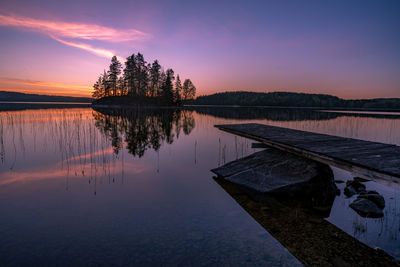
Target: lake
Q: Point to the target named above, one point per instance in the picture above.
(80, 186)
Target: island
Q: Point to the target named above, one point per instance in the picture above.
(141, 84)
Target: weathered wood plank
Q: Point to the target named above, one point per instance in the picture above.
(376, 160)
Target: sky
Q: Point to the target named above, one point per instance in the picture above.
(345, 48)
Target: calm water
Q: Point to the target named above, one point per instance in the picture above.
(80, 187)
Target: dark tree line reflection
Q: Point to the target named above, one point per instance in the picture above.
(274, 114)
(143, 129)
(281, 114)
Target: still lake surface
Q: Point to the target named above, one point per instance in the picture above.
(94, 187)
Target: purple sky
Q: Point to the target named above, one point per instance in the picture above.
(345, 48)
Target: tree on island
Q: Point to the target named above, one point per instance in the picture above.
(101, 88)
(167, 89)
(189, 90)
(113, 73)
(129, 75)
(141, 80)
(155, 77)
(178, 91)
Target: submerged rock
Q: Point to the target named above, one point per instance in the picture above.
(374, 197)
(366, 208)
(371, 192)
(353, 187)
(361, 180)
(356, 185)
(349, 191)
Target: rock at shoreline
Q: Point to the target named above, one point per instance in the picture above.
(281, 173)
(276, 171)
(366, 208)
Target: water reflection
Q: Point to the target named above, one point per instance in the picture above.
(82, 143)
(143, 129)
(286, 114)
(8, 105)
(312, 240)
(54, 161)
(383, 128)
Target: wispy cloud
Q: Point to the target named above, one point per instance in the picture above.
(97, 51)
(73, 30)
(60, 31)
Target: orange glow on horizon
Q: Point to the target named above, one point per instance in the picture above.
(34, 87)
(46, 84)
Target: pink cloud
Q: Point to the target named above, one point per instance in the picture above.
(59, 30)
(97, 51)
(73, 30)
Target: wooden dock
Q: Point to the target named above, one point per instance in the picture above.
(377, 161)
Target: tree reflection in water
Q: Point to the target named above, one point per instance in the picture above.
(144, 128)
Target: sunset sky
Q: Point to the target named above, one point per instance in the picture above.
(346, 48)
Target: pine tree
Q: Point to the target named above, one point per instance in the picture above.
(121, 88)
(129, 75)
(141, 75)
(105, 84)
(113, 73)
(167, 89)
(178, 91)
(98, 91)
(155, 76)
(161, 81)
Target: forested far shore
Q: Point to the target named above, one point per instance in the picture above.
(142, 81)
(22, 97)
(287, 99)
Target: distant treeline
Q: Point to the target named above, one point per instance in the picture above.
(287, 99)
(21, 97)
(142, 80)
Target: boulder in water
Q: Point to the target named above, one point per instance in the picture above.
(356, 185)
(349, 191)
(281, 173)
(374, 197)
(366, 208)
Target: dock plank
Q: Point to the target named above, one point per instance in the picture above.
(375, 160)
